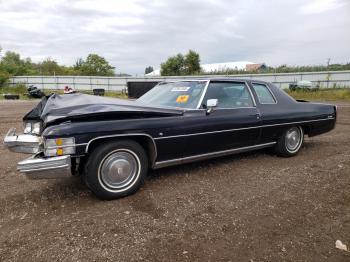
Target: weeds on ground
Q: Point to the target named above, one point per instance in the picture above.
(114, 94)
(21, 90)
(329, 94)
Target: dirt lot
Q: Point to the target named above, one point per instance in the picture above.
(250, 207)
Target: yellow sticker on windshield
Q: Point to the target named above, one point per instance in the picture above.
(182, 99)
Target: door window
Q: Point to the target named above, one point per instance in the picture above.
(229, 94)
(264, 94)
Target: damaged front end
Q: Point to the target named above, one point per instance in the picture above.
(37, 166)
(23, 143)
(30, 141)
(48, 135)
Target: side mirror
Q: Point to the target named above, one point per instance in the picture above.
(211, 104)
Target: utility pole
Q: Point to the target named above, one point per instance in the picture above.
(328, 75)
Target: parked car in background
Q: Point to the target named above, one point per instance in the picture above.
(303, 85)
(112, 143)
(34, 92)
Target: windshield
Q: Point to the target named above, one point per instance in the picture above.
(184, 94)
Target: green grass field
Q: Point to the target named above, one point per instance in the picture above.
(331, 94)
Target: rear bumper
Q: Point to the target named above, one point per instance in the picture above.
(24, 143)
(43, 168)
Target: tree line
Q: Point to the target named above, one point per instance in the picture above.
(283, 69)
(189, 64)
(11, 64)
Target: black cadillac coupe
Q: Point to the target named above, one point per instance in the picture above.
(113, 143)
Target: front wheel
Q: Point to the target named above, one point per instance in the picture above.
(290, 142)
(116, 169)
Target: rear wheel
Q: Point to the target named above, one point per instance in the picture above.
(290, 142)
(116, 169)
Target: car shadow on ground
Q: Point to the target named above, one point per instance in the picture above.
(73, 188)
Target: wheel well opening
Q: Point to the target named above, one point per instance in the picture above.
(306, 129)
(145, 141)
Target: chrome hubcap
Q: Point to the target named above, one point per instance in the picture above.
(118, 169)
(293, 138)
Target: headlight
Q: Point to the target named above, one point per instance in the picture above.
(36, 128)
(27, 127)
(59, 146)
(32, 128)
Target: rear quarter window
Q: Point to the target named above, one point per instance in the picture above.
(264, 94)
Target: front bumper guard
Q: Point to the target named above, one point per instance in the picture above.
(23, 143)
(37, 167)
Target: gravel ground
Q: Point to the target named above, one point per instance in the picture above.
(248, 207)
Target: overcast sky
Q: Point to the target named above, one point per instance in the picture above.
(133, 34)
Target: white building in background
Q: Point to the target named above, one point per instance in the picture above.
(208, 68)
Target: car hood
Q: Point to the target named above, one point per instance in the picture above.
(59, 108)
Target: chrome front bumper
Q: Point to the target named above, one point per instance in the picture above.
(24, 143)
(42, 168)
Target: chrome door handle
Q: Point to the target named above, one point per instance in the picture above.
(257, 115)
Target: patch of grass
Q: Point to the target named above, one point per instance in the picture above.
(21, 90)
(115, 94)
(331, 94)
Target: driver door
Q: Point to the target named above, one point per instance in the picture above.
(234, 123)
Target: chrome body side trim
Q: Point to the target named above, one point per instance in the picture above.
(23, 143)
(43, 168)
(210, 155)
(221, 108)
(185, 80)
(245, 128)
(125, 135)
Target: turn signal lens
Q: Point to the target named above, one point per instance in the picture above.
(59, 151)
(59, 141)
(59, 146)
